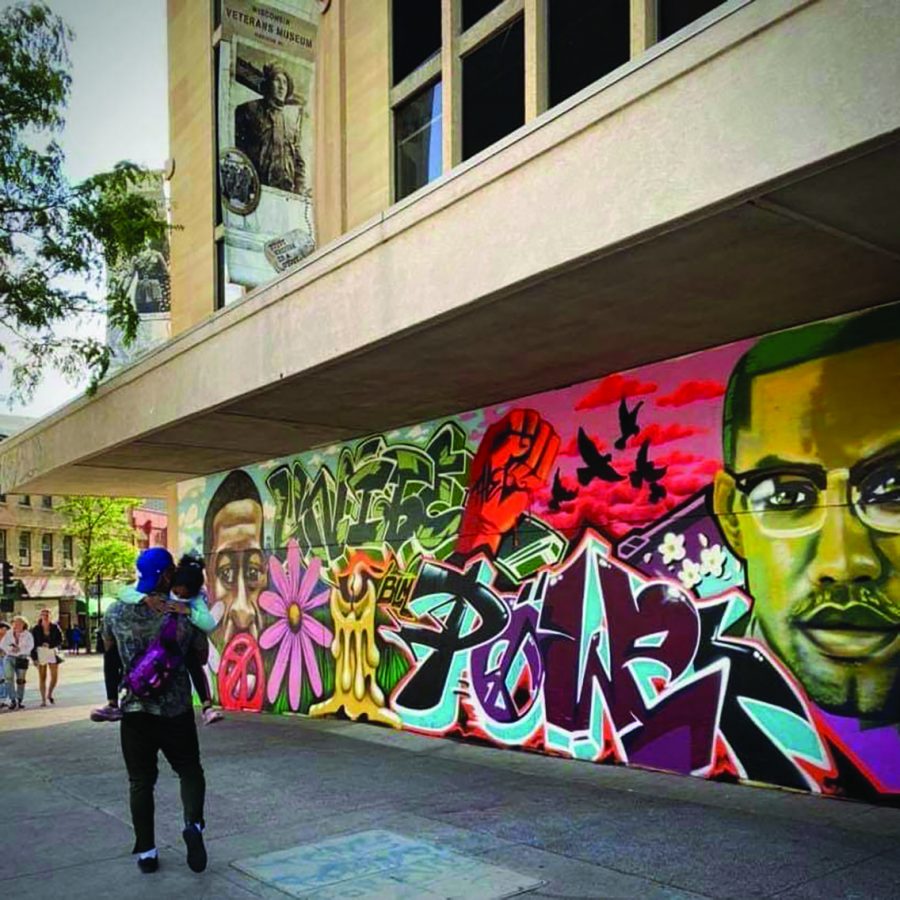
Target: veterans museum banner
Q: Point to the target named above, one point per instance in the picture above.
(265, 101)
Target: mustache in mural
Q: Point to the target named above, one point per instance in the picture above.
(852, 607)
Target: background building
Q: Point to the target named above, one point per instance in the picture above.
(150, 522)
(32, 541)
(482, 402)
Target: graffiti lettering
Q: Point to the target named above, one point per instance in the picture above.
(407, 496)
(462, 612)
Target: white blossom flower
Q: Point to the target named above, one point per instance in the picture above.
(672, 547)
(712, 561)
(690, 574)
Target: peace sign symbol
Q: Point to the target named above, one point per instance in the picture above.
(241, 675)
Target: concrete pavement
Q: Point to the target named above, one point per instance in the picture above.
(374, 812)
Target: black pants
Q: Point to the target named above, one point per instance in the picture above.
(143, 736)
(112, 675)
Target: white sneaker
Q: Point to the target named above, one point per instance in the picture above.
(211, 715)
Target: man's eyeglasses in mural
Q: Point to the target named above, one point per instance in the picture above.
(792, 499)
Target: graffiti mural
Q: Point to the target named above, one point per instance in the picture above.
(693, 566)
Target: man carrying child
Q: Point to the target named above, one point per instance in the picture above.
(164, 720)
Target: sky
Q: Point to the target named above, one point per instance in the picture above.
(118, 109)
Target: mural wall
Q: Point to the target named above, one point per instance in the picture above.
(692, 566)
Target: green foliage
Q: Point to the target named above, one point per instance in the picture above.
(114, 558)
(54, 234)
(101, 529)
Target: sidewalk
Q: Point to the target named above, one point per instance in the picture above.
(397, 815)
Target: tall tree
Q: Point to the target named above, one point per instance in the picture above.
(56, 238)
(102, 529)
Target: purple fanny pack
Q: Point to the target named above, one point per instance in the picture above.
(153, 671)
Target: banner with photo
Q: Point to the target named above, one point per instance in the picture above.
(265, 136)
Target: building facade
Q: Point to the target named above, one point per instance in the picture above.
(150, 522)
(533, 376)
(42, 556)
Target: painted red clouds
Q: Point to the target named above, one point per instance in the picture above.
(617, 507)
(664, 434)
(612, 389)
(690, 392)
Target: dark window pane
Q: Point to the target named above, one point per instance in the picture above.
(417, 133)
(47, 501)
(494, 89)
(473, 10)
(24, 549)
(416, 30)
(675, 14)
(586, 40)
(47, 551)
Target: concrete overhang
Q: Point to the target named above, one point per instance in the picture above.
(740, 178)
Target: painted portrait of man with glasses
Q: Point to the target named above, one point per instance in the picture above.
(810, 500)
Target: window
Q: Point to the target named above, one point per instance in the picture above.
(25, 500)
(47, 551)
(418, 137)
(2, 545)
(46, 501)
(473, 10)
(675, 14)
(2, 498)
(68, 555)
(24, 548)
(226, 290)
(586, 40)
(416, 34)
(449, 106)
(493, 102)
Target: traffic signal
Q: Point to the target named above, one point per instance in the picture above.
(6, 598)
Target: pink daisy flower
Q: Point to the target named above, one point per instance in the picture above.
(295, 631)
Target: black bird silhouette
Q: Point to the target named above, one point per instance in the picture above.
(627, 422)
(559, 493)
(645, 471)
(596, 464)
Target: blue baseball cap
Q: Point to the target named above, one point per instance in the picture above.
(150, 565)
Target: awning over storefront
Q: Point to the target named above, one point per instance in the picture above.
(742, 181)
(51, 587)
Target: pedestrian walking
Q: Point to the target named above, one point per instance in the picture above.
(17, 645)
(157, 709)
(4, 694)
(69, 641)
(185, 598)
(47, 646)
(76, 639)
